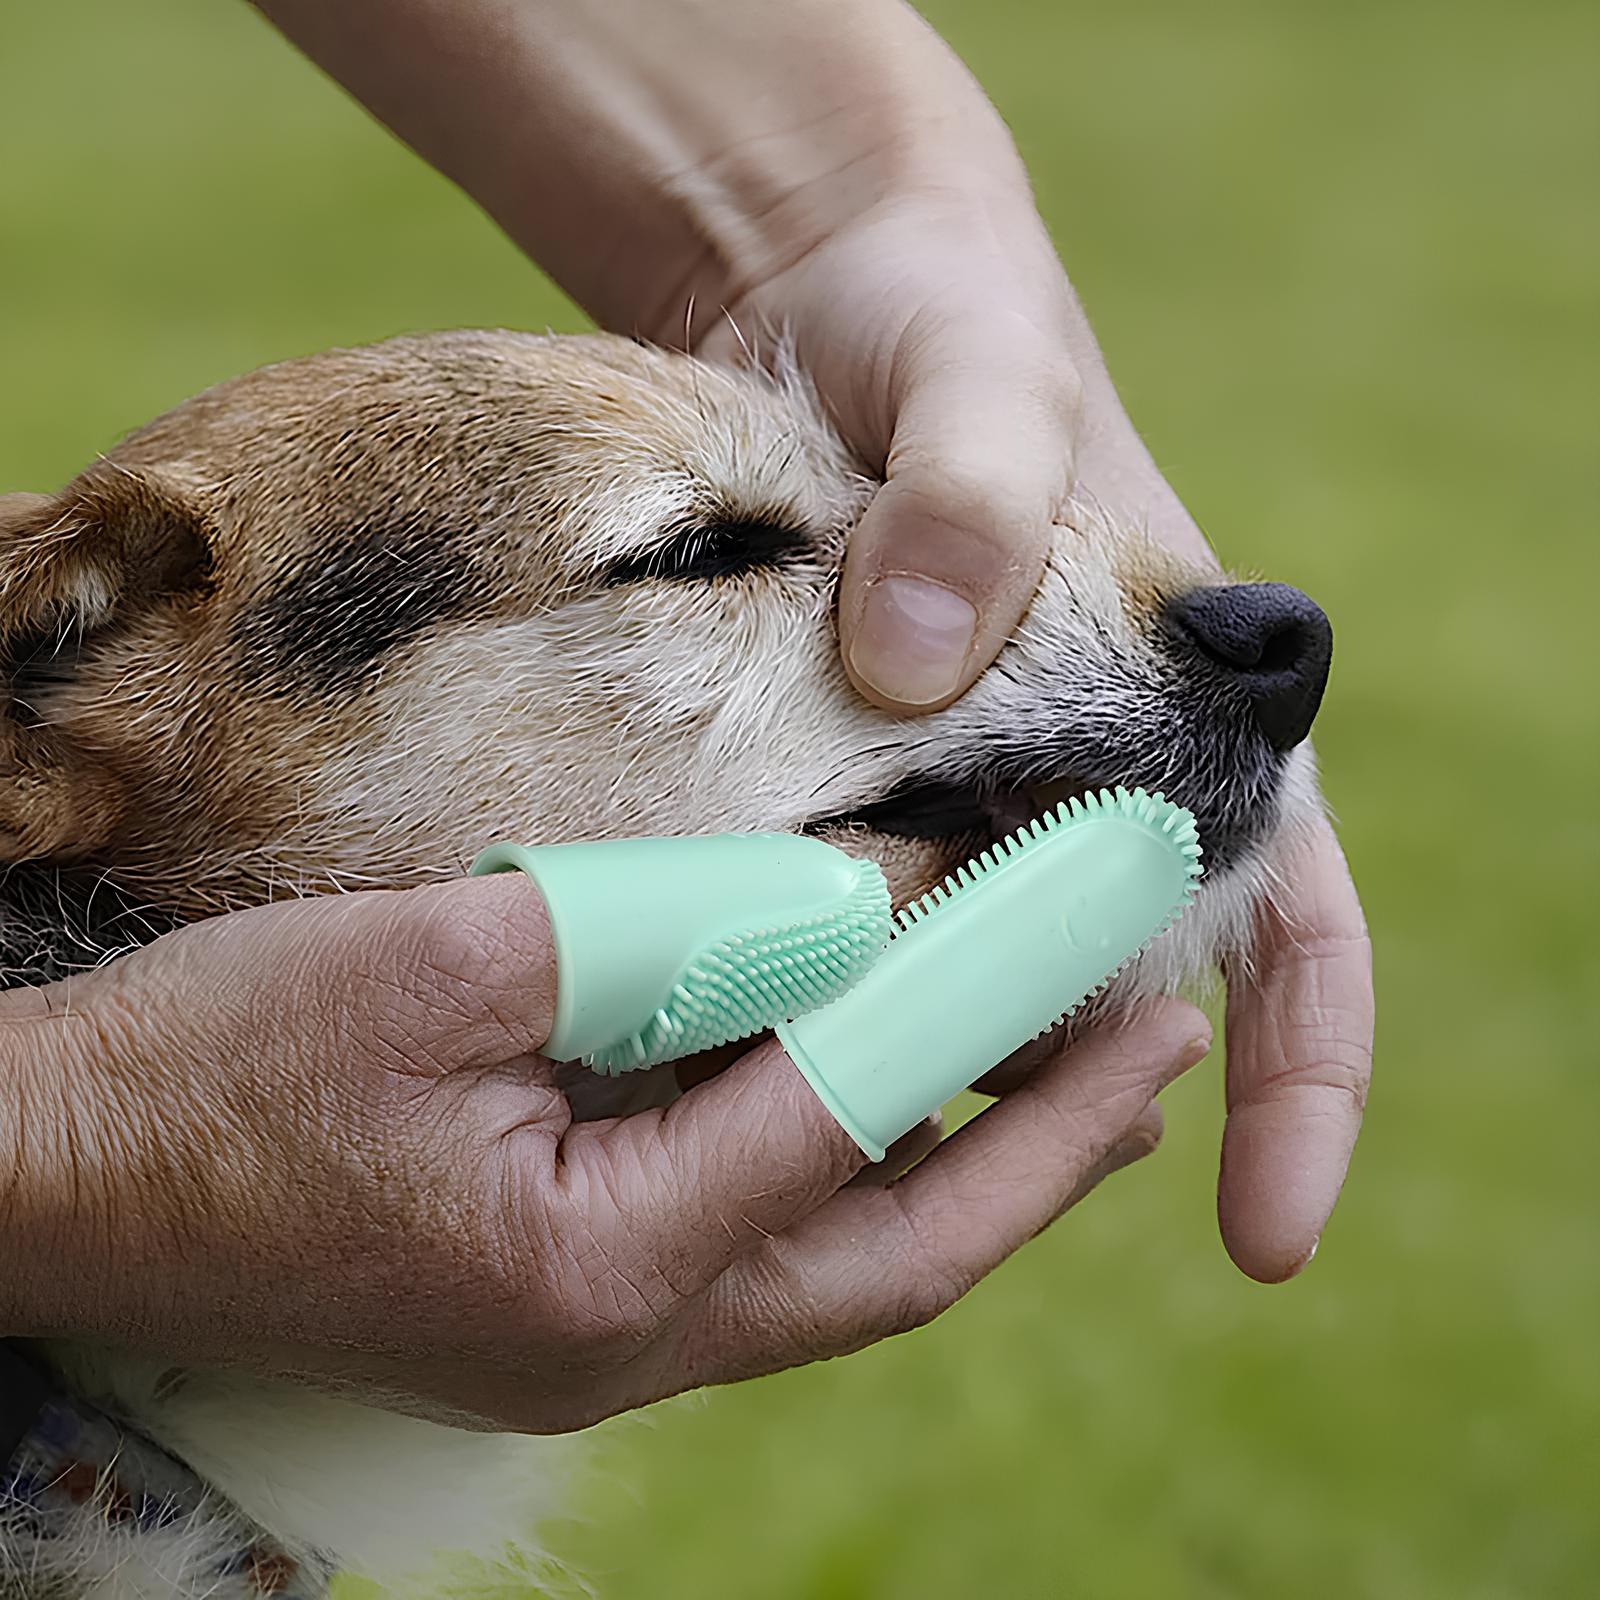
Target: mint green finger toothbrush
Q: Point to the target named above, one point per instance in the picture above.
(667, 946)
(1004, 949)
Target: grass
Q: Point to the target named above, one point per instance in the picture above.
(1342, 261)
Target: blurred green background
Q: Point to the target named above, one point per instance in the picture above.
(1343, 263)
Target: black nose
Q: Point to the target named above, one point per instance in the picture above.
(1273, 641)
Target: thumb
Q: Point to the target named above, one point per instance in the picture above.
(420, 981)
(451, 976)
(948, 554)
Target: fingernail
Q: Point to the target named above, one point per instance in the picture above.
(1128, 1149)
(1188, 1054)
(913, 639)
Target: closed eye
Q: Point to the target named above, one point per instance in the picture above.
(718, 549)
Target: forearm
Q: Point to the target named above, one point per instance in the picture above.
(646, 152)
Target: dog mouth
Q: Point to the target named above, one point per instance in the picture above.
(923, 829)
(935, 809)
(941, 821)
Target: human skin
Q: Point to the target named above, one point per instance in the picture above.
(701, 172)
(380, 1186)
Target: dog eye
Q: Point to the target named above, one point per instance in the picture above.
(720, 549)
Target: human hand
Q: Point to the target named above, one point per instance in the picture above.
(317, 1139)
(699, 172)
(962, 376)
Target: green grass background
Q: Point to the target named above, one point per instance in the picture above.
(1343, 262)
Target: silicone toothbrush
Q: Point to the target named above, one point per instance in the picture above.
(1009, 945)
(668, 946)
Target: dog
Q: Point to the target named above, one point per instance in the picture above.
(339, 622)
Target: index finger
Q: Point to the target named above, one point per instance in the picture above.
(738, 1158)
(1299, 1062)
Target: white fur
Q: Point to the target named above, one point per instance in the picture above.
(397, 1497)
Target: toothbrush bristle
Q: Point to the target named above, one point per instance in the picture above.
(1149, 810)
(743, 985)
(759, 977)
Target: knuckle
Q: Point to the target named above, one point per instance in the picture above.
(1080, 1131)
(608, 1314)
(1067, 389)
(600, 1299)
(1046, 386)
(767, 1295)
(925, 1298)
(1341, 1076)
(957, 485)
(1065, 1124)
(769, 1313)
(916, 1305)
(470, 957)
(455, 947)
(929, 1281)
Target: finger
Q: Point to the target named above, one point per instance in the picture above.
(1299, 1061)
(1024, 1158)
(739, 1157)
(949, 553)
(453, 976)
(903, 1154)
(1142, 1138)
(874, 1262)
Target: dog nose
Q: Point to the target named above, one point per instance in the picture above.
(1273, 641)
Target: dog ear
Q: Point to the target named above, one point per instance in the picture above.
(112, 542)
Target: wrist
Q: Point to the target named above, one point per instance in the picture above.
(842, 114)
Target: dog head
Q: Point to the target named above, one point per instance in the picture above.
(341, 622)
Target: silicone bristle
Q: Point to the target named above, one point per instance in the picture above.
(756, 979)
(1153, 811)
